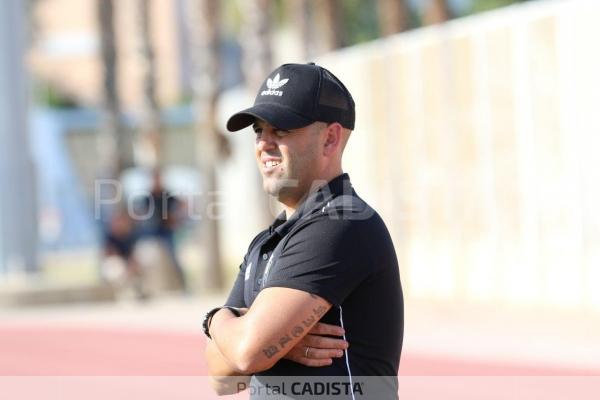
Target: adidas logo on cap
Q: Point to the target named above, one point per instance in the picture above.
(273, 84)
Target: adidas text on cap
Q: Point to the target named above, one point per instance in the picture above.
(296, 95)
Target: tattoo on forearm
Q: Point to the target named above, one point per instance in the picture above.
(308, 322)
(320, 311)
(296, 331)
(283, 340)
(270, 351)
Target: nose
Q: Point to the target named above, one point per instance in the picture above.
(266, 140)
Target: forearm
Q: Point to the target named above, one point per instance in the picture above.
(224, 378)
(232, 338)
(218, 365)
(277, 320)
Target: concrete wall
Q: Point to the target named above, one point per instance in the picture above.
(477, 141)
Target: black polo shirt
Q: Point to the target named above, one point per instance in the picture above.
(337, 247)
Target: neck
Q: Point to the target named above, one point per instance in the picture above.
(290, 206)
(289, 211)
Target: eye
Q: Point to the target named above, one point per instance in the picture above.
(257, 131)
(281, 132)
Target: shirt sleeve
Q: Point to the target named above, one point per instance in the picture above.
(325, 257)
(236, 295)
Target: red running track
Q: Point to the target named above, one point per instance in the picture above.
(160, 361)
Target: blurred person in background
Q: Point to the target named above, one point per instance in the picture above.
(318, 293)
(119, 266)
(163, 215)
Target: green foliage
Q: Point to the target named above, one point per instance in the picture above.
(46, 94)
(360, 21)
(279, 10)
(232, 17)
(486, 5)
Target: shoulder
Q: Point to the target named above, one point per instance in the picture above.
(347, 222)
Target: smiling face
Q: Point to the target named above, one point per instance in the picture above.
(289, 161)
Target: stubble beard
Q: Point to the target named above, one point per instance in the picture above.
(290, 185)
(281, 186)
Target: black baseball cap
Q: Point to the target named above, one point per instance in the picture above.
(296, 95)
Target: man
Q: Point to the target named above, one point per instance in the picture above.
(318, 293)
(164, 211)
(119, 265)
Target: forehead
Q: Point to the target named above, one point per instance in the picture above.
(259, 123)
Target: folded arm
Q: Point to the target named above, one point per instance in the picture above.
(224, 378)
(278, 319)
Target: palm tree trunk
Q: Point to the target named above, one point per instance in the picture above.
(148, 144)
(301, 11)
(393, 16)
(113, 146)
(330, 21)
(258, 62)
(205, 87)
(256, 41)
(436, 12)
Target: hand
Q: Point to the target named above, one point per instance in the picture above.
(322, 348)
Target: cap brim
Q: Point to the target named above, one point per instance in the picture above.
(274, 114)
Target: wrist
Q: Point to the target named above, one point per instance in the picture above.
(209, 318)
(220, 316)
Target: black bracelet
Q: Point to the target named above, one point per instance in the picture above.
(211, 313)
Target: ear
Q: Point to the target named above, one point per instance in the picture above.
(333, 138)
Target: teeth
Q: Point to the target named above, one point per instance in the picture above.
(271, 164)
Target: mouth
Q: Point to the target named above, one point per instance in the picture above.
(270, 165)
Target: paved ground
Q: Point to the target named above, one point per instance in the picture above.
(156, 351)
